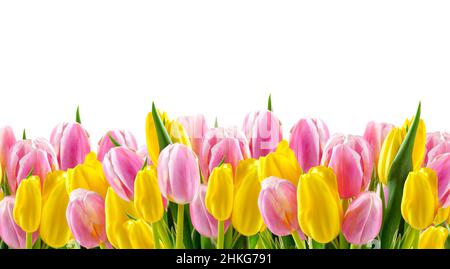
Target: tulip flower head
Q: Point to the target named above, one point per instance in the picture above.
(441, 165)
(375, 134)
(7, 140)
(433, 140)
(148, 200)
(123, 137)
(196, 128)
(219, 194)
(433, 238)
(27, 206)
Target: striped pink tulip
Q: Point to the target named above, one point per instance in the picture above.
(350, 157)
(263, 131)
(277, 203)
(362, 220)
(120, 166)
(123, 137)
(308, 139)
(7, 140)
(178, 173)
(441, 165)
(196, 128)
(71, 143)
(375, 134)
(432, 141)
(85, 215)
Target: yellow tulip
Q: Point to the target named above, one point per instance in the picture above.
(219, 194)
(419, 143)
(177, 133)
(420, 198)
(147, 196)
(433, 238)
(54, 228)
(319, 208)
(442, 215)
(245, 217)
(88, 175)
(281, 163)
(27, 207)
(140, 234)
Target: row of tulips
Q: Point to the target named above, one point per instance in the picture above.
(192, 186)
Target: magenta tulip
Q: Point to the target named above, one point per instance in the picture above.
(350, 157)
(71, 143)
(201, 219)
(123, 137)
(178, 173)
(120, 166)
(362, 220)
(308, 139)
(263, 131)
(85, 215)
(433, 140)
(196, 128)
(375, 134)
(7, 140)
(277, 203)
(441, 165)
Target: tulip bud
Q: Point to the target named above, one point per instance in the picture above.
(120, 166)
(375, 134)
(308, 139)
(420, 200)
(433, 140)
(388, 152)
(71, 143)
(148, 199)
(178, 173)
(319, 207)
(263, 131)
(277, 203)
(362, 220)
(7, 140)
(123, 137)
(196, 128)
(140, 234)
(441, 165)
(85, 215)
(418, 153)
(27, 207)
(350, 157)
(201, 219)
(442, 215)
(433, 238)
(219, 195)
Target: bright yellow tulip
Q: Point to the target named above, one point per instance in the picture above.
(219, 194)
(420, 198)
(433, 238)
(442, 215)
(419, 143)
(147, 196)
(140, 234)
(320, 211)
(27, 207)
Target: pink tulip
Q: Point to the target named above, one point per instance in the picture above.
(350, 157)
(196, 128)
(142, 151)
(433, 140)
(10, 232)
(362, 220)
(374, 135)
(308, 139)
(201, 219)
(120, 166)
(85, 215)
(277, 203)
(220, 144)
(263, 131)
(123, 137)
(71, 143)
(441, 165)
(441, 148)
(7, 140)
(178, 173)
(25, 156)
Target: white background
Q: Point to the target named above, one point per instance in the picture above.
(346, 62)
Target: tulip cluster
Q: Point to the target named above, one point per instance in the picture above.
(195, 186)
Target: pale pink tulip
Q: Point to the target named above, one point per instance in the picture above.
(263, 131)
(7, 140)
(441, 148)
(375, 134)
(433, 140)
(441, 165)
(123, 137)
(196, 128)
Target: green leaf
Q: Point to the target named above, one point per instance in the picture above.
(400, 168)
(163, 136)
(115, 143)
(252, 241)
(24, 135)
(216, 123)
(269, 103)
(145, 164)
(77, 116)
(30, 173)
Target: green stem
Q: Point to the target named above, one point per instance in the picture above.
(163, 233)
(352, 246)
(180, 227)
(29, 240)
(156, 236)
(298, 241)
(343, 244)
(411, 238)
(220, 234)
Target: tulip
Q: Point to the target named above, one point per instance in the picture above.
(420, 200)
(220, 144)
(196, 128)
(123, 137)
(375, 134)
(277, 203)
(120, 166)
(143, 153)
(10, 232)
(178, 173)
(263, 131)
(148, 200)
(319, 207)
(140, 234)
(350, 157)
(308, 139)
(7, 140)
(362, 220)
(27, 156)
(71, 143)
(437, 151)
(433, 238)
(441, 165)
(85, 215)
(432, 140)
(201, 219)
(219, 195)
(281, 163)
(442, 215)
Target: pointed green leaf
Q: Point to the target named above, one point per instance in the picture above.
(269, 103)
(24, 135)
(115, 143)
(163, 136)
(77, 116)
